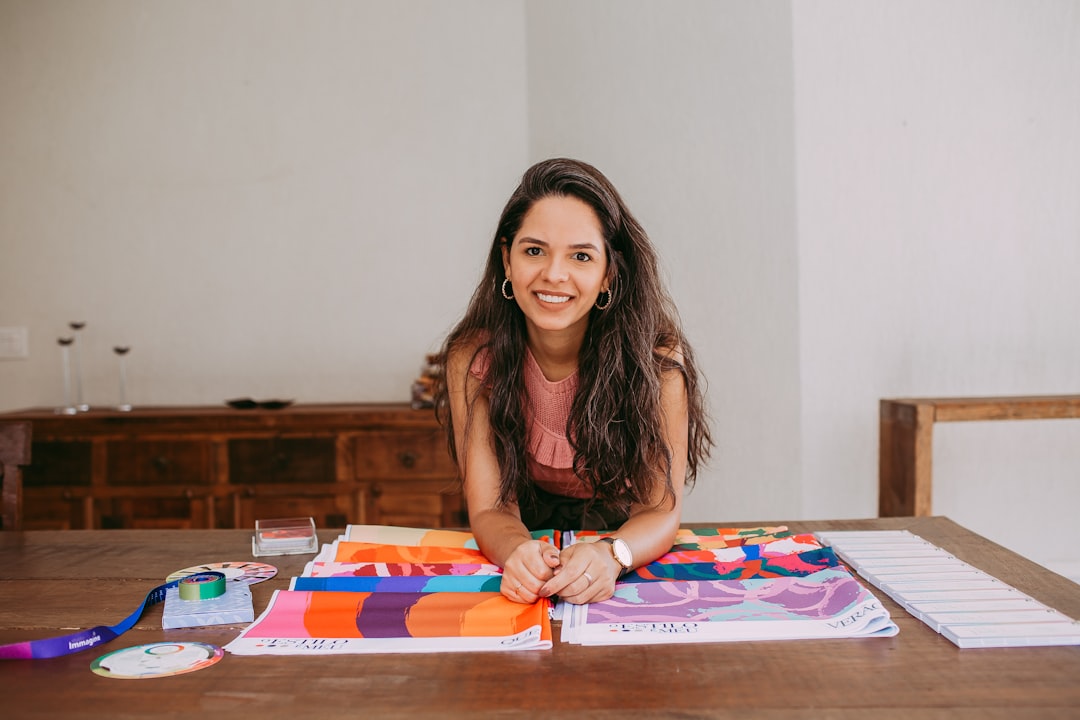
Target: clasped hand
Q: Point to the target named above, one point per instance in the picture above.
(582, 573)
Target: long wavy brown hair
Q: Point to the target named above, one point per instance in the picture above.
(616, 423)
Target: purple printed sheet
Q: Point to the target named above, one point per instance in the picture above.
(826, 604)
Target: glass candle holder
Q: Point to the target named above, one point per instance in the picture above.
(80, 404)
(121, 353)
(68, 408)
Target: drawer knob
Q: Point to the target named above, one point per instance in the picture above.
(408, 459)
(376, 491)
(161, 462)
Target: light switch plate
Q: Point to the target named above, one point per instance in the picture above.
(14, 343)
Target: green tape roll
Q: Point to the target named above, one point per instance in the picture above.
(202, 586)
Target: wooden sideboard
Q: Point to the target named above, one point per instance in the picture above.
(219, 467)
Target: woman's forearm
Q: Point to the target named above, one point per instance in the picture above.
(650, 533)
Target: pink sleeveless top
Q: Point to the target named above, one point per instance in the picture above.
(547, 407)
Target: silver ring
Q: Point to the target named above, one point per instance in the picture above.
(589, 578)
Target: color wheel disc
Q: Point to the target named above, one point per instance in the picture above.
(245, 573)
(159, 659)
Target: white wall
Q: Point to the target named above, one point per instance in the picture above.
(938, 154)
(688, 108)
(265, 199)
(852, 200)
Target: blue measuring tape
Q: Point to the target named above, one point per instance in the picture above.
(86, 639)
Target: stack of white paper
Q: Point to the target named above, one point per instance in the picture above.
(966, 605)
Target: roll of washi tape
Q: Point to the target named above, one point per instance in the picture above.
(242, 572)
(202, 586)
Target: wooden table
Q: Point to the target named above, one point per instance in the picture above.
(52, 582)
(906, 440)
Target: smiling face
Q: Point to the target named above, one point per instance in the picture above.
(557, 265)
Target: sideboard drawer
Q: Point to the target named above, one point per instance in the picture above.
(259, 461)
(402, 454)
(159, 462)
(55, 464)
(329, 509)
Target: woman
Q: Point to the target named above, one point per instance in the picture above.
(570, 395)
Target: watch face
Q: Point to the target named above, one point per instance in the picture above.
(622, 552)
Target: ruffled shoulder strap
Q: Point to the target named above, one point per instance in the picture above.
(480, 364)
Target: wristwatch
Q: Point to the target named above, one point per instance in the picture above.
(621, 551)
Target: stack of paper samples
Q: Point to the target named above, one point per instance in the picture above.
(380, 589)
(385, 590)
(730, 585)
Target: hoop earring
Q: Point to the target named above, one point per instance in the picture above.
(610, 296)
(505, 284)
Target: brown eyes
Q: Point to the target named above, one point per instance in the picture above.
(534, 251)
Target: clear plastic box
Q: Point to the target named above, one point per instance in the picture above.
(284, 536)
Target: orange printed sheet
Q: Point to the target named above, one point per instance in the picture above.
(331, 622)
(389, 535)
(358, 552)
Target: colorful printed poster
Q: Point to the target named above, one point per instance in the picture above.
(387, 535)
(795, 565)
(356, 552)
(770, 546)
(743, 554)
(418, 547)
(729, 537)
(318, 568)
(828, 604)
(702, 538)
(407, 584)
(328, 622)
(695, 559)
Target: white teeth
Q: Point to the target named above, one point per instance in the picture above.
(552, 298)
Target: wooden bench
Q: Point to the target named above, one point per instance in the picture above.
(907, 439)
